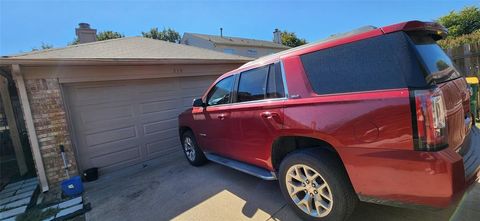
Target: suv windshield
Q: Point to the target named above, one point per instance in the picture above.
(438, 65)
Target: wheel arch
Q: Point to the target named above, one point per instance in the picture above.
(284, 145)
(182, 130)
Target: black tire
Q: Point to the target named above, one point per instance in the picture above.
(331, 170)
(198, 158)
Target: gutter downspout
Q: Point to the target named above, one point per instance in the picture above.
(32, 135)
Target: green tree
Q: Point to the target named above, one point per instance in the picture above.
(290, 39)
(43, 47)
(106, 35)
(463, 22)
(167, 34)
(452, 42)
(102, 36)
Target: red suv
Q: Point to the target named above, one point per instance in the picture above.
(377, 114)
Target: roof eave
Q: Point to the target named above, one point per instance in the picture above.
(98, 61)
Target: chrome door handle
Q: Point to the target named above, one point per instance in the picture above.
(268, 114)
(221, 116)
(272, 115)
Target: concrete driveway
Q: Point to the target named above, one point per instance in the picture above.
(174, 190)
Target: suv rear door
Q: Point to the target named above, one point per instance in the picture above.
(257, 114)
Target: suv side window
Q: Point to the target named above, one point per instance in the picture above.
(251, 85)
(275, 88)
(221, 92)
(383, 62)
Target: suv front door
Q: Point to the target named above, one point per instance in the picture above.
(213, 130)
(257, 114)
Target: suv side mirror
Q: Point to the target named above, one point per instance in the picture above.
(197, 102)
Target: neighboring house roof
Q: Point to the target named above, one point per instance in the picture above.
(225, 40)
(129, 49)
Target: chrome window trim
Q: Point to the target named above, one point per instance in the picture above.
(260, 101)
(250, 102)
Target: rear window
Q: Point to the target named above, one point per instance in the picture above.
(383, 62)
(438, 65)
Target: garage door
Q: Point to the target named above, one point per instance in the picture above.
(119, 124)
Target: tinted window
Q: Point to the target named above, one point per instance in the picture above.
(383, 62)
(252, 85)
(438, 65)
(275, 87)
(221, 92)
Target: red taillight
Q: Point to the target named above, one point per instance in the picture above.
(430, 120)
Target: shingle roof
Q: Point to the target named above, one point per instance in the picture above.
(129, 48)
(225, 40)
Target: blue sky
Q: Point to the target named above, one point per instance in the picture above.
(26, 24)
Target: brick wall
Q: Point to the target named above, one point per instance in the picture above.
(51, 127)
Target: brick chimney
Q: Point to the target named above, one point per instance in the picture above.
(277, 36)
(85, 34)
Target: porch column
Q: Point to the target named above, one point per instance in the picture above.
(12, 125)
(32, 135)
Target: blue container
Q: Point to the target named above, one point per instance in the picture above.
(73, 186)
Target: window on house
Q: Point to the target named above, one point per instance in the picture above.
(221, 92)
(252, 52)
(229, 50)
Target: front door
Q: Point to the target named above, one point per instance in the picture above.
(213, 131)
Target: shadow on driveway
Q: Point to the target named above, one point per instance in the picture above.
(174, 190)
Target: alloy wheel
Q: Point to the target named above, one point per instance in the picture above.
(309, 190)
(189, 148)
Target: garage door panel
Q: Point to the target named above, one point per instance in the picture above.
(187, 102)
(158, 106)
(162, 135)
(165, 152)
(105, 114)
(158, 96)
(166, 145)
(193, 92)
(166, 84)
(159, 126)
(100, 126)
(196, 82)
(100, 94)
(119, 157)
(109, 136)
(118, 124)
(108, 148)
(159, 116)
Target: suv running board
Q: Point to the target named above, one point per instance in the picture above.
(243, 167)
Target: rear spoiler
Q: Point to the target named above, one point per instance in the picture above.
(433, 28)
